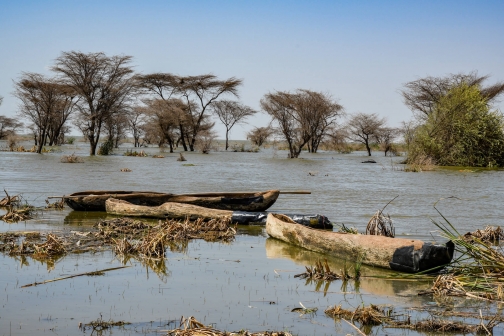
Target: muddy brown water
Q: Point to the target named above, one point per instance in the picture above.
(249, 283)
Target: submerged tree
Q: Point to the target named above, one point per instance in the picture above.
(104, 85)
(259, 135)
(461, 130)
(8, 126)
(47, 103)
(231, 113)
(422, 96)
(301, 117)
(365, 128)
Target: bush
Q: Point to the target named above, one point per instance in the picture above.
(106, 147)
(461, 131)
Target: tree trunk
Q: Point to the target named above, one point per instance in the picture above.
(227, 144)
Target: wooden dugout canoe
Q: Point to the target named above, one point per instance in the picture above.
(399, 254)
(94, 200)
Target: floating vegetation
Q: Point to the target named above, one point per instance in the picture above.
(157, 156)
(10, 200)
(99, 325)
(52, 246)
(490, 234)
(21, 213)
(71, 159)
(370, 315)
(125, 170)
(59, 205)
(192, 327)
(436, 325)
(130, 152)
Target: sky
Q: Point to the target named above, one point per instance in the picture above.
(360, 52)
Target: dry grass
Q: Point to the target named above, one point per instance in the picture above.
(370, 315)
(131, 152)
(17, 214)
(489, 235)
(420, 163)
(71, 159)
(59, 205)
(444, 326)
(52, 246)
(192, 327)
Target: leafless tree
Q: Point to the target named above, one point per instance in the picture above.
(104, 84)
(136, 119)
(364, 128)
(302, 116)
(116, 127)
(1, 100)
(47, 103)
(231, 113)
(259, 135)
(422, 95)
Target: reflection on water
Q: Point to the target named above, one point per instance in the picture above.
(227, 285)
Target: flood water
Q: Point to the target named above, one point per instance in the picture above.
(248, 283)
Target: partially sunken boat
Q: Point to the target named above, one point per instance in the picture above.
(94, 200)
(399, 254)
(173, 210)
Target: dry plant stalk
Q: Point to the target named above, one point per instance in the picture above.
(10, 200)
(56, 205)
(380, 225)
(420, 163)
(52, 246)
(321, 271)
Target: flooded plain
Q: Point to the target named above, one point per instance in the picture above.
(248, 283)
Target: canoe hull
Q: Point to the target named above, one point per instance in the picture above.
(169, 210)
(95, 200)
(405, 255)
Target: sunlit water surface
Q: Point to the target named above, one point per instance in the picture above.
(246, 284)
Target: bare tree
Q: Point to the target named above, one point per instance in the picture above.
(231, 113)
(259, 135)
(1, 100)
(103, 83)
(364, 128)
(136, 119)
(423, 95)
(46, 103)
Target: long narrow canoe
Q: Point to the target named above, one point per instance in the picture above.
(399, 254)
(94, 200)
(173, 210)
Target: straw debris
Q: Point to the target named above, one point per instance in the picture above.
(489, 235)
(370, 315)
(380, 225)
(192, 327)
(321, 271)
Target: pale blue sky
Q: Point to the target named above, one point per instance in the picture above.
(362, 52)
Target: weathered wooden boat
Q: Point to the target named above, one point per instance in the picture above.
(399, 254)
(173, 210)
(94, 200)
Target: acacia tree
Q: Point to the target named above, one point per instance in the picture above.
(461, 130)
(302, 116)
(199, 93)
(259, 135)
(364, 128)
(136, 119)
(422, 96)
(46, 103)
(385, 137)
(231, 113)
(104, 85)
(8, 126)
